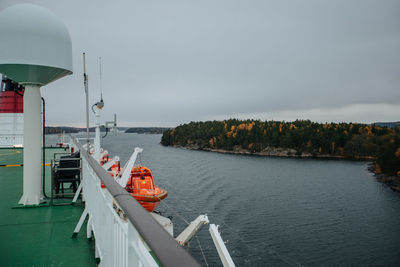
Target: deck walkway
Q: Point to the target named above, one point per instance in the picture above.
(37, 236)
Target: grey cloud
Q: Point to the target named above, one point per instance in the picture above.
(176, 61)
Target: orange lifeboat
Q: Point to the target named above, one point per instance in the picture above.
(141, 187)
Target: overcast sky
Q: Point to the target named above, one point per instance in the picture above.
(168, 62)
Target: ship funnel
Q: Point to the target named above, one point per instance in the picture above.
(35, 49)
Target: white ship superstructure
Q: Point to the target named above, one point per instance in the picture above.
(11, 114)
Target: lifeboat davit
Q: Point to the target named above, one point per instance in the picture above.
(141, 187)
(104, 159)
(115, 169)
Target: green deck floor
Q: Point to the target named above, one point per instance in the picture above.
(37, 236)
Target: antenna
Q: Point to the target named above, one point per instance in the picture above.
(85, 83)
(101, 85)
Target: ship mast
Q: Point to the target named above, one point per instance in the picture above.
(85, 82)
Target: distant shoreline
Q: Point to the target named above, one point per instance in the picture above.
(138, 130)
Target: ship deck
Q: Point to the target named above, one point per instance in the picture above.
(37, 236)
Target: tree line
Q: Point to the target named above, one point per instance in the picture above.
(350, 140)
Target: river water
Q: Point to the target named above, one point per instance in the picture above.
(274, 211)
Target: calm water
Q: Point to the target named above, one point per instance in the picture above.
(275, 211)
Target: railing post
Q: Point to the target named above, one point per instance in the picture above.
(52, 182)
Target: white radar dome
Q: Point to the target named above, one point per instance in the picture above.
(35, 45)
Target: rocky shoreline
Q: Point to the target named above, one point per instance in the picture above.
(392, 181)
(273, 152)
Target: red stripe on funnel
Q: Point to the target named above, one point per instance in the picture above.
(10, 102)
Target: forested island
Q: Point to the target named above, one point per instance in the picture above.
(301, 138)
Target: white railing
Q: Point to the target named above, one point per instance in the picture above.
(117, 241)
(124, 232)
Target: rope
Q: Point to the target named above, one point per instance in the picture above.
(251, 248)
(175, 212)
(140, 160)
(284, 259)
(202, 252)
(191, 211)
